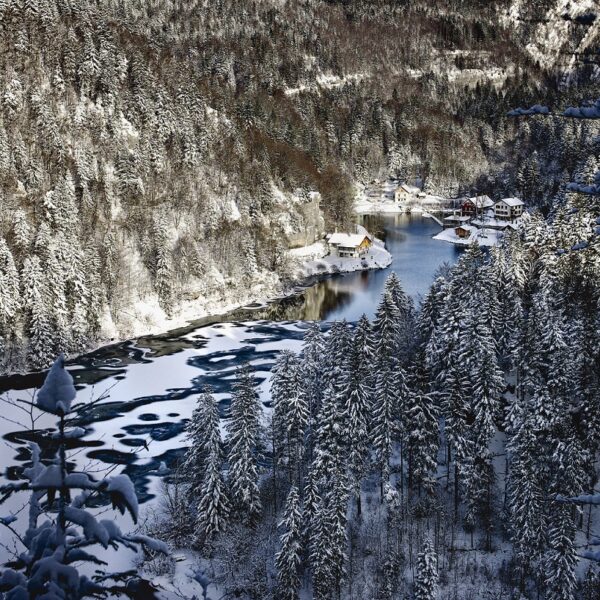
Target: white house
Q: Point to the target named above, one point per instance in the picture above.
(351, 245)
(405, 192)
(509, 208)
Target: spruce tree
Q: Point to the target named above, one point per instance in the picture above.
(289, 558)
(290, 415)
(202, 434)
(359, 399)
(426, 578)
(244, 430)
(422, 439)
(389, 385)
(206, 463)
(312, 377)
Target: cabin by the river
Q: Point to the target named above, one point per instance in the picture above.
(349, 245)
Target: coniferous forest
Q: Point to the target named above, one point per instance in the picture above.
(162, 157)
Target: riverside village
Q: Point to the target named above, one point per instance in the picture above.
(462, 221)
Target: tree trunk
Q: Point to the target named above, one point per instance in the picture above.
(455, 491)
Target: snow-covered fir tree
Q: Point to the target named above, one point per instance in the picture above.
(63, 527)
(245, 431)
(289, 558)
(206, 462)
(426, 578)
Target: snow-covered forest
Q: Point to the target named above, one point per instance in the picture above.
(449, 452)
(161, 155)
(154, 155)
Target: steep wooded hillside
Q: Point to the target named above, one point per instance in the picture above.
(159, 153)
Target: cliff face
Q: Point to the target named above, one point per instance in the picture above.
(553, 32)
(154, 153)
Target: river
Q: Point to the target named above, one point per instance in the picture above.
(150, 384)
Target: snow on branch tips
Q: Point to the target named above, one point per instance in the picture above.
(583, 499)
(58, 391)
(61, 525)
(582, 188)
(591, 110)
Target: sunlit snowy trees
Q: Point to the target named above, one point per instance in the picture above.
(183, 182)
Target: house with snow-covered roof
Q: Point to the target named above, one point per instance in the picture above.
(476, 205)
(406, 192)
(455, 221)
(349, 245)
(509, 208)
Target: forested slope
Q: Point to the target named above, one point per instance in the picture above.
(158, 152)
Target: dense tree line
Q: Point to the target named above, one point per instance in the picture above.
(154, 153)
(458, 426)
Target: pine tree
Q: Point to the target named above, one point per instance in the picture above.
(202, 433)
(289, 558)
(312, 377)
(163, 265)
(422, 439)
(389, 388)
(358, 408)
(406, 316)
(35, 305)
(526, 498)
(213, 507)
(9, 295)
(244, 430)
(290, 414)
(329, 541)
(426, 579)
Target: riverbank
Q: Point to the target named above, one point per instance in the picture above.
(145, 317)
(483, 236)
(315, 260)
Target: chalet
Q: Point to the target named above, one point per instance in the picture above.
(350, 245)
(462, 232)
(509, 208)
(476, 205)
(406, 192)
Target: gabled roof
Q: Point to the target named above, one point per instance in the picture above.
(481, 201)
(410, 189)
(351, 240)
(512, 201)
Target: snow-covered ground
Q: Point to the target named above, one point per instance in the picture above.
(484, 237)
(365, 204)
(315, 260)
(493, 222)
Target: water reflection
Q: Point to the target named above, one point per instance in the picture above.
(157, 377)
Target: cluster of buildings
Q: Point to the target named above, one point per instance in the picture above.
(483, 212)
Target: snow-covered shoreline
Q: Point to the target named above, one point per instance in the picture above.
(309, 265)
(483, 237)
(315, 260)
